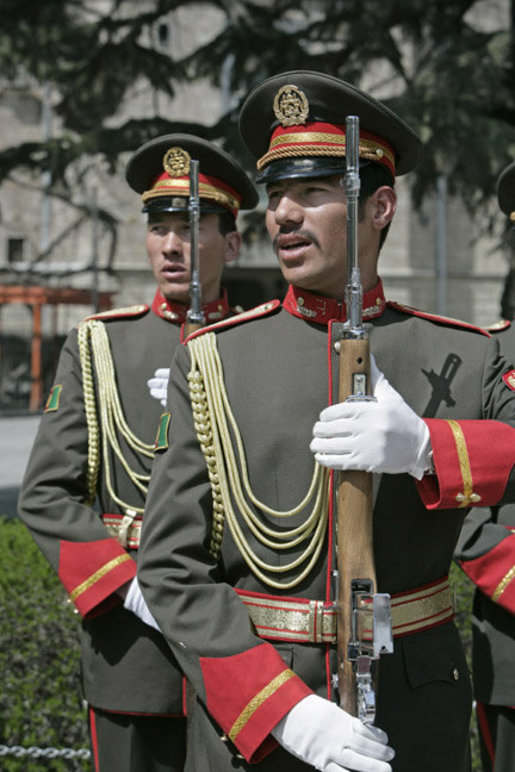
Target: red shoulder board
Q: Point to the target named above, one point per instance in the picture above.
(254, 313)
(500, 326)
(447, 320)
(121, 313)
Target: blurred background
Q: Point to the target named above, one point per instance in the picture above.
(86, 82)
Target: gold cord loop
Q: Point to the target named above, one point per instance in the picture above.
(216, 426)
(93, 338)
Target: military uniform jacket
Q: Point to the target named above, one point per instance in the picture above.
(486, 552)
(280, 370)
(90, 537)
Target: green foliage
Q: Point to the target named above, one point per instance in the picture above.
(464, 594)
(40, 699)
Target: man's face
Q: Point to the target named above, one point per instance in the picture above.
(168, 248)
(306, 220)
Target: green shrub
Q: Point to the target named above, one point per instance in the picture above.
(40, 699)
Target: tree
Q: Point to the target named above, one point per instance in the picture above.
(438, 62)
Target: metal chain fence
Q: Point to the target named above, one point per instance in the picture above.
(34, 752)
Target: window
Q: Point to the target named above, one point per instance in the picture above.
(15, 249)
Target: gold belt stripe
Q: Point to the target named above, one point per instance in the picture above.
(128, 537)
(501, 587)
(314, 621)
(257, 701)
(91, 580)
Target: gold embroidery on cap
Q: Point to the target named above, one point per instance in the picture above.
(291, 106)
(176, 161)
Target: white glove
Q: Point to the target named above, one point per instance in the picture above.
(322, 734)
(384, 435)
(135, 602)
(158, 385)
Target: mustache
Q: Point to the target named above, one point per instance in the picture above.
(301, 232)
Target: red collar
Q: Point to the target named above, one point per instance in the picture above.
(176, 312)
(315, 308)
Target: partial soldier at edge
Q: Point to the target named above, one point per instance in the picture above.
(486, 552)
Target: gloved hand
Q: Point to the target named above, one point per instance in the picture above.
(158, 385)
(384, 435)
(325, 736)
(135, 602)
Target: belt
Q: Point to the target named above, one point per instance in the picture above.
(125, 528)
(314, 621)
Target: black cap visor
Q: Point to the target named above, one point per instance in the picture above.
(180, 204)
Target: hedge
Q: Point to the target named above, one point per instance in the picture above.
(41, 702)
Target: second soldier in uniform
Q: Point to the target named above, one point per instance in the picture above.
(83, 496)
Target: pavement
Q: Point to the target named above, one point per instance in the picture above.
(16, 437)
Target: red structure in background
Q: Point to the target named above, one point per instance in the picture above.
(36, 298)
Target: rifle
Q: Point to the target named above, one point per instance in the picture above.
(363, 615)
(195, 316)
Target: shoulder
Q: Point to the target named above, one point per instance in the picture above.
(445, 321)
(114, 314)
(259, 312)
(501, 326)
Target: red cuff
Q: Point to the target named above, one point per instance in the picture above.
(248, 694)
(473, 461)
(93, 571)
(494, 572)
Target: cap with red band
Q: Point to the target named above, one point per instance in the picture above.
(294, 126)
(159, 171)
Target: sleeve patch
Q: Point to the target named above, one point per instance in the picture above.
(509, 379)
(52, 403)
(161, 442)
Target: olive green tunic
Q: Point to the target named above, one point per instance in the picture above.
(280, 371)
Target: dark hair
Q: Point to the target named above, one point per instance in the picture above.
(372, 176)
(226, 222)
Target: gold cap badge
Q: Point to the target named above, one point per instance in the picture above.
(176, 162)
(291, 106)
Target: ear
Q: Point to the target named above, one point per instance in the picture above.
(232, 246)
(384, 203)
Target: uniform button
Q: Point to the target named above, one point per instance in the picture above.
(455, 673)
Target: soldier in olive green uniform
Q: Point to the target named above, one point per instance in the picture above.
(239, 545)
(486, 552)
(83, 497)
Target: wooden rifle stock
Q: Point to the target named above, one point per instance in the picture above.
(355, 557)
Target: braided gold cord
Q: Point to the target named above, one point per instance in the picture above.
(367, 149)
(205, 437)
(112, 419)
(88, 389)
(216, 426)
